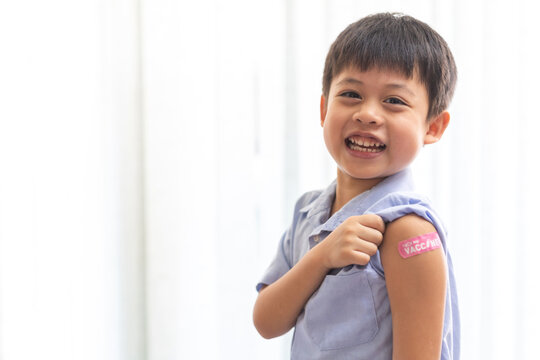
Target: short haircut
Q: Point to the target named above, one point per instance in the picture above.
(392, 41)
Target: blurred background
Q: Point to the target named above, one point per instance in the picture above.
(151, 153)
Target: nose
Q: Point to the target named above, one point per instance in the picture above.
(368, 114)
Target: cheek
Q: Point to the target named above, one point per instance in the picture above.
(407, 144)
(330, 134)
(327, 137)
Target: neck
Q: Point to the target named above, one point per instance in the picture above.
(348, 187)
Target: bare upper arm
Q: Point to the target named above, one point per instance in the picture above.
(416, 289)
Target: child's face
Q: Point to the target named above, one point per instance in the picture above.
(374, 122)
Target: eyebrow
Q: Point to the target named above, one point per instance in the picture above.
(353, 81)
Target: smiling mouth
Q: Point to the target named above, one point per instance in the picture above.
(364, 144)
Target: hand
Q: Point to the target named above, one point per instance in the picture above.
(352, 242)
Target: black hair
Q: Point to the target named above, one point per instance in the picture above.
(400, 43)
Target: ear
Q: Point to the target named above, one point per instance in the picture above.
(436, 128)
(323, 109)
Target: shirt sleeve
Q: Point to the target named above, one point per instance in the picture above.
(396, 205)
(280, 265)
(283, 261)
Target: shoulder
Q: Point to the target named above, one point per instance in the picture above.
(411, 244)
(407, 226)
(399, 201)
(411, 227)
(396, 207)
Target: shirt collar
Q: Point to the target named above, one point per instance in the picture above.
(318, 210)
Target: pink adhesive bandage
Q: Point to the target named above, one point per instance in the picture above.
(418, 245)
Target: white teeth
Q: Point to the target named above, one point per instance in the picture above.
(365, 149)
(366, 142)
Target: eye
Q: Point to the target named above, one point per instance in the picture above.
(394, 101)
(350, 94)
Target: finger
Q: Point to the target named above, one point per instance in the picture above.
(360, 258)
(369, 234)
(367, 247)
(373, 221)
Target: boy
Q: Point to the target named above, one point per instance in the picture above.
(363, 271)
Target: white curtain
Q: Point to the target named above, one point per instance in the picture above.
(151, 153)
(71, 192)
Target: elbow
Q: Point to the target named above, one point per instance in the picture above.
(263, 326)
(264, 334)
(269, 322)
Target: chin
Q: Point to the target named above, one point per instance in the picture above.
(363, 175)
